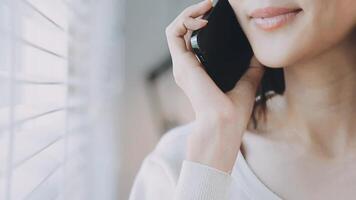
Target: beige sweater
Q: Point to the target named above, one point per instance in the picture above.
(166, 175)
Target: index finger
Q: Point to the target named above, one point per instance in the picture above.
(176, 30)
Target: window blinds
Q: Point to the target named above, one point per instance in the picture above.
(60, 92)
(42, 130)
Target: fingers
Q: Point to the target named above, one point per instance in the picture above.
(187, 70)
(192, 24)
(198, 9)
(186, 21)
(199, 87)
(244, 92)
(187, 39)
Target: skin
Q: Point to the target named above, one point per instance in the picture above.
(307, 147)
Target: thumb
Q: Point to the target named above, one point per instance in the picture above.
(244, 92)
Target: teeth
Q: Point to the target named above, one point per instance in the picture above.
(273, 21)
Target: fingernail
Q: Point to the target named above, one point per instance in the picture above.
(203, 20)
(212, 2)
(206, 1)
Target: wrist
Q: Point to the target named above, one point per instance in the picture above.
(214, 150)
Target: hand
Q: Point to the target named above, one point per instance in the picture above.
(220, 118)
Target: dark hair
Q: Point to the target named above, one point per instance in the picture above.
(272, 83)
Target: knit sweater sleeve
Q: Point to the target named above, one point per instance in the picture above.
(195, 182)
(165, 174)
(200, 182)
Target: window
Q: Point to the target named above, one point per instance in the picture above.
(50, 80)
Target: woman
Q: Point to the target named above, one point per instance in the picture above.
(306, 149)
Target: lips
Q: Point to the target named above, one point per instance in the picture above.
(272, 12)
(271, 18)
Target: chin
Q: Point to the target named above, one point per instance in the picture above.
(275, 58)
(280, 47)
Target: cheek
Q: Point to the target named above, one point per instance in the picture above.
(329, 22)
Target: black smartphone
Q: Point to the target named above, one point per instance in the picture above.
(225, 52)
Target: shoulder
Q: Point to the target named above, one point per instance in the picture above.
(170, 151)
(174, 140)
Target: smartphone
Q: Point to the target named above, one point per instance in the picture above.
(225, 52)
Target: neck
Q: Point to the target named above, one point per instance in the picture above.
(321, 98)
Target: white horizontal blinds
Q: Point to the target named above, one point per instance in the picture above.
(34, 135)
(60, 89)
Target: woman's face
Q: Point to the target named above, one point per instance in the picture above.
(314, 27)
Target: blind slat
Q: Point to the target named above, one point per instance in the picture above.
(49, 189)
(45, 37)
(33, 154)
(25, 114)
(37, 63)
(45, 16)
(38, 114)
(30, 174)
(42, 48)
(29, 79)
(55, 10)
(43, 182)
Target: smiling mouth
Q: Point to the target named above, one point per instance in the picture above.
(272, 18)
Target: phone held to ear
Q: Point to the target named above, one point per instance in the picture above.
(224, 50)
